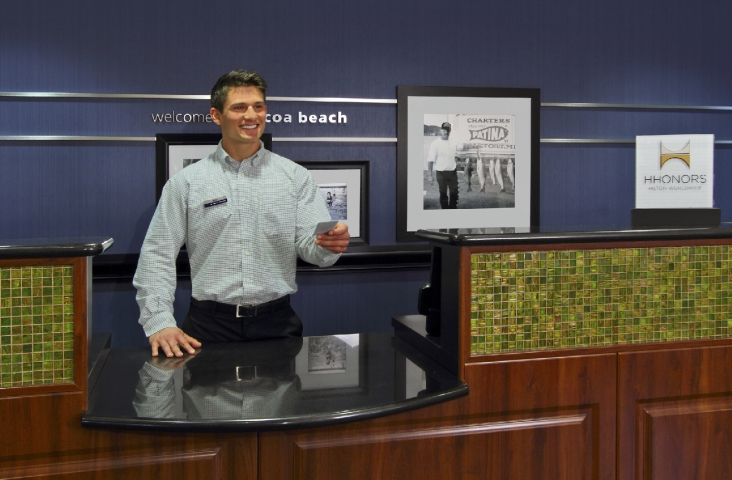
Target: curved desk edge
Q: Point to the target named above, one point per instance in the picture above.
(290, 423)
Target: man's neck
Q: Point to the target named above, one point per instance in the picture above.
(241, 152)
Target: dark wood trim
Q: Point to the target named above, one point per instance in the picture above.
(464, 336)
(599, 245)
(39, 390)
(357, 259)
(580, 351)
(38, 262)
(81, 345)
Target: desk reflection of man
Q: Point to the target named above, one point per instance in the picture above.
(254, 380)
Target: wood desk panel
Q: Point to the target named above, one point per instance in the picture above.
(675, 414)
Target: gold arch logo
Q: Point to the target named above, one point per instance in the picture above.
(684, 154)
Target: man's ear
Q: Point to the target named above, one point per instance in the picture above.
(215, 116)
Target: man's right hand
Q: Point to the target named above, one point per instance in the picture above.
(171, 340)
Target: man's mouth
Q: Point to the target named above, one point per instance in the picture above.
(249, 126)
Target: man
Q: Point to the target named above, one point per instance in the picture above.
(442, 154)
(244, 214)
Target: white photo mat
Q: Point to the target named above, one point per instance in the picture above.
(419, 218)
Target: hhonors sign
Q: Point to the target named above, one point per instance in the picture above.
(674, 171)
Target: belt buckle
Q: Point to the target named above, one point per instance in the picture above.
(246, 373)
(240, 315)
(245, 305)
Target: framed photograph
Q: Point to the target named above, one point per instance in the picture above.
(175, 151)
(344, 186)
(467, 158)
(332, 362)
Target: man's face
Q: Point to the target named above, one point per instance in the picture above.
(244, 117)
(444, 133)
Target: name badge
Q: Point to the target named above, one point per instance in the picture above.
(217, 201)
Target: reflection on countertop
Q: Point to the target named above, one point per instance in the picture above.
(267, 385)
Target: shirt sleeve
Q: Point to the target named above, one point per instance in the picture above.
(432, 155)
(155, 278)
(155, 393)
(311, 210)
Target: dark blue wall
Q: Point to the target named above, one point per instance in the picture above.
(629, 52)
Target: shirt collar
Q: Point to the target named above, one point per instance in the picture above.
(255, 159)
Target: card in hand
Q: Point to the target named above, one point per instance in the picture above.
(325, 227)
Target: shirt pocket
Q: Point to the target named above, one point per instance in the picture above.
(209, 219)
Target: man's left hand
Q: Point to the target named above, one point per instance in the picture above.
(335, 240)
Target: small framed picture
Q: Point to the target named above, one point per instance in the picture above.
(344, 187)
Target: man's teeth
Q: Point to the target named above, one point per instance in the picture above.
(249, 126)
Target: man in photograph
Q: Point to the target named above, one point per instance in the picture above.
(244, 214)
(442, 157)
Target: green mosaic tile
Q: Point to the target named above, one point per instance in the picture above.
(36, 325)
(544, 300)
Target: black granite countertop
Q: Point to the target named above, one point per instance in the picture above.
(267, 385)
(581, 234)
(54, 247)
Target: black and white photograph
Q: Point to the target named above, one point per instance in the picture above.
(469, 161)
(467, 158)
(331, 362)
(326, 355)
(336, 199)
(344, 186)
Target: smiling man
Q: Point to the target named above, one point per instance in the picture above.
(245, 214)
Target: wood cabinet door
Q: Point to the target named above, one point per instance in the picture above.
(140, 455)
(675, 414)
(551, 418)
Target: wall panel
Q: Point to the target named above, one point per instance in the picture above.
(573, 51)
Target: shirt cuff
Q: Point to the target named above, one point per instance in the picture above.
(158, 322)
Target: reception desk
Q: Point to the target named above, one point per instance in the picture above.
(598, 354)
(269, 385)
(553, 355)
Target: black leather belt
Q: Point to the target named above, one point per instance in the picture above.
(244, 310)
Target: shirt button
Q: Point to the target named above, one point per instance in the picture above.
(246, 254)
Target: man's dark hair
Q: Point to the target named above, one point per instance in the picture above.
(233, 79)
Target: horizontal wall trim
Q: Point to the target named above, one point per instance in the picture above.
(156, 96)
(124, 96)
(335, 139)
(71, 138)
(637, 106)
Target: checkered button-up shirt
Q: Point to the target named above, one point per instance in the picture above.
(243, 224)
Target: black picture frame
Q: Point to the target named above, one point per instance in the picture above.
(417, 205)
(167, 161)
(354, 174)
